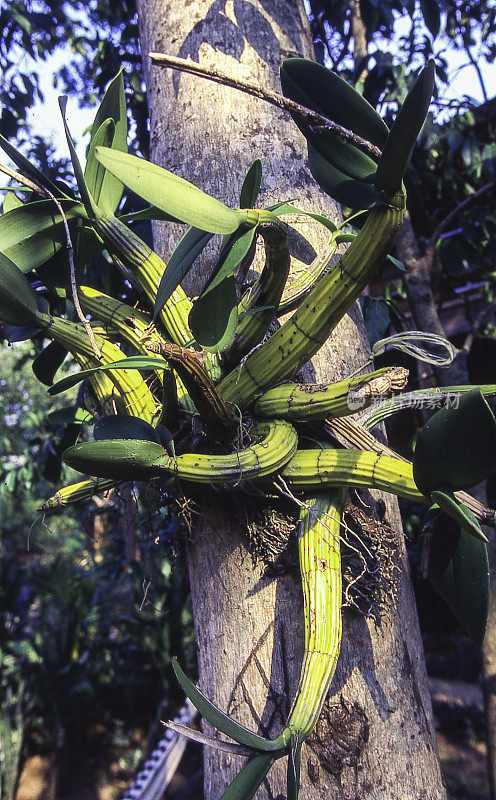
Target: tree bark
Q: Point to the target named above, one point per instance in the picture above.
(376, 738)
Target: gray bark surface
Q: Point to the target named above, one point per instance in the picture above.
(376, 737)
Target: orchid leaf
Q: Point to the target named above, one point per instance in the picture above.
(170, 193)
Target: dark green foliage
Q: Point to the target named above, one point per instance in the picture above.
(457, 447)
(459, 570)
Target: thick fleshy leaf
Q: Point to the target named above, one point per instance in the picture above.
(133, 362)
(113, 106)
(251, 185)
(234, 250)
(457, 447)
(376, 317)
(10, 202)
(120, 426)
(220, 721)
(170, 193)
(166, 439)
(151, 212)
(214, 317)
(117, 458)
(27, 168)
(32, 233)
(109, 130)
(459, 513)
(287, 208)
(46, 363)
(293, 773)
(459, 570)
(432, 15)
(350, 193)
(69, 415)
(248, 780)
(398, 148)
(17, 300)
(179, 264)
(86, 197)
(316, 87)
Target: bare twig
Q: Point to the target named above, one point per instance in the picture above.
(41, 190)
(446, 222)
(318, 121)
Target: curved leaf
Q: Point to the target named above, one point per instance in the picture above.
(133, 362)
(46, 363)
(27, 168)
(459, 513)
(457, 446)
(117, 458)
(316, 87)
(251, 185)
(287, 208)
(78, 172)
(17, 300)
(33, 232)
(214, 316)
(120, 426)
(179, 264)
(459, 570)
(350, 193)
(398, 148)
(170, 193)
(248, 780)
(220, 721)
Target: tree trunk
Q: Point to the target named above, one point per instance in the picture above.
(376, 738)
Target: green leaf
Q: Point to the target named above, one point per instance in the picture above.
(46, 363)
(214, 317)
(17, 299)
(459, 513)
(28, 169)
(112, 107)
(376, 317)
(170, 193)
(10, 202)
(459, 570)
(287, 208)
(348, 192)
(86, 197)
(321, 90)
(133, 362)
(32, 233)
(120, 426)
(117, 458)
(68, 415)
(151, 212)
(166, 439)
(179, 264)
(220, 721)
(105, 189)
(248, 780)
(293, 772)
(397, 263)
(251, 185)
(457, 447)
(398, 148)
(234, 250)
(432, 15)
